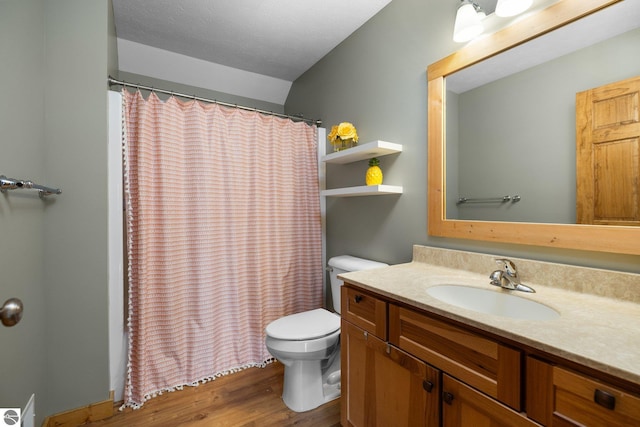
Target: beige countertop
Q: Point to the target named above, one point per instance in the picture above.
(598, 331)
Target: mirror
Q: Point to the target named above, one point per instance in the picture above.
(530, 230)
(511, 119)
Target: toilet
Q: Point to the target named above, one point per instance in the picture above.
(308, 344)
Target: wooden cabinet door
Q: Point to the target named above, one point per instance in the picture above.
(464, 406)
(384, 386)
(608, 154)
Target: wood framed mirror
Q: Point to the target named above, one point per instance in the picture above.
(602, 238)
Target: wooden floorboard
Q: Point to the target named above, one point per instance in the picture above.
(251, 398)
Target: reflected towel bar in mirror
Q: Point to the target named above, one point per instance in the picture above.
(504, 199)
(14, 184)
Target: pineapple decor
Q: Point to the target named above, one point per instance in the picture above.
(374, 173)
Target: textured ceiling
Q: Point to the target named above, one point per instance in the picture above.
(276, 38)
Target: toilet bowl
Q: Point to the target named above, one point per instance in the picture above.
(308, 358)
(308, 345)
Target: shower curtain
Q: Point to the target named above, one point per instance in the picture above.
(224, 236)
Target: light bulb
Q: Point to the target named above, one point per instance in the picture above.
(468, 23)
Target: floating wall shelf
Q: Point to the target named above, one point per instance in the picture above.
(363, 190)
(363, 152)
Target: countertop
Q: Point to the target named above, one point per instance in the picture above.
(593, 330)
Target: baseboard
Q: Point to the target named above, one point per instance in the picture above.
(75, 417)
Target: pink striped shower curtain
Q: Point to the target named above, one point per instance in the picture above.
(224, 236)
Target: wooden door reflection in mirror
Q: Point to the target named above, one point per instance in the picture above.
(608, 154)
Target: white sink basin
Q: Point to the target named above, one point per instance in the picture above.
(497, 302)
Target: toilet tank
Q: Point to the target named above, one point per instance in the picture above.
(344, 264)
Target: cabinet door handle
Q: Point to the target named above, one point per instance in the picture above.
(428, 386)
(447, 397)
(604, 399)
(358, 298)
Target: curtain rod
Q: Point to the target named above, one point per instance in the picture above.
(115, 82)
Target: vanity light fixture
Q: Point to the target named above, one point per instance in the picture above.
(506, 8)
(468, 21)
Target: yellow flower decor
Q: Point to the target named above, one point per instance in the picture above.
(343, 136)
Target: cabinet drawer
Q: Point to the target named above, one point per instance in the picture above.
(487, 365)
(365, 311)
(584, 401)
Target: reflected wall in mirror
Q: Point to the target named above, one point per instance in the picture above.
(541, 152)
(516, 135)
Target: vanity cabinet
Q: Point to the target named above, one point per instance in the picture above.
(402, 366)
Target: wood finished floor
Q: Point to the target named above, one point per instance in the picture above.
(248, 398)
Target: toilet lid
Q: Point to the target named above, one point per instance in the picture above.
(304, 326)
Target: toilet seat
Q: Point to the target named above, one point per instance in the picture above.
(307, 325)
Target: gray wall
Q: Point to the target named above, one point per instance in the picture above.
(22, 215)
(53, 255)
(377, 80)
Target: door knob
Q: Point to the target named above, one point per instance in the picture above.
(428, 386)
(11, 312)
(447, 397)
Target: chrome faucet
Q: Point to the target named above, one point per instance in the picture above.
(507, 277)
